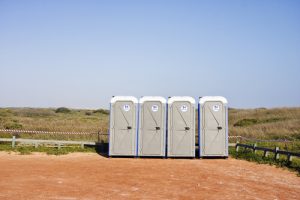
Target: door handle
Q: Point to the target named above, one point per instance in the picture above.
(219, 127)
(187, 128)
(129, 127)
(157, 128)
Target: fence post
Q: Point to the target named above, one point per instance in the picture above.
(276, 153)
(290, 157)
(58, 145)
(237, 146)
(254, 148)
(82, 145)
(98, 136)
(266, 153)
(36, 145)
(13, 142)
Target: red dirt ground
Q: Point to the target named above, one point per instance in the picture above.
(91, 176)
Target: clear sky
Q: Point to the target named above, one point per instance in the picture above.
(80, 53)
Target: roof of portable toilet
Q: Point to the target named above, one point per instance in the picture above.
(181, 98)
(213, 98)
(152, 98)
(123, 98)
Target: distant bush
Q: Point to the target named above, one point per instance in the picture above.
(88, 113)
(62, 110)
(102, 111)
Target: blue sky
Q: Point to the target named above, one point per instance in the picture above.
(80, 53)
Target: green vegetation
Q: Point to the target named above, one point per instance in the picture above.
(258, 158)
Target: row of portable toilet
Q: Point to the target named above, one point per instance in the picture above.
(154, 126)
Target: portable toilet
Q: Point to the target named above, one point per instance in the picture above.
(213, 126)
(152, 126)
(181, 127)
(123, 126)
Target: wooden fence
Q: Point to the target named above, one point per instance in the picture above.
(266, 151)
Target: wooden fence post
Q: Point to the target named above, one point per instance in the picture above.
(266, 153)
(13, 142)
(276, 153)
(290, 157)
(237, 146)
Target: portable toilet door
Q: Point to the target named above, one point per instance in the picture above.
(152, 126)
(213, 127)
(123, 126)
(181, 127)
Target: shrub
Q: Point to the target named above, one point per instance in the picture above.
(102, 111)
(88, 113)
(62, 110)
(246, 122)
(13, 125)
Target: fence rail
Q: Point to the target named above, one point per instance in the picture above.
(37, 143)
(266, 151)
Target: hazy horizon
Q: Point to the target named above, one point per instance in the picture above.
(77, 54)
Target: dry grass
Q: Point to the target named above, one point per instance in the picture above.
(283, 123)
(278, 123)
(49, 120)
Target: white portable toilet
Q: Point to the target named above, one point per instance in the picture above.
(213, 126)
(123, 126)
(152, 126)
(181, 127)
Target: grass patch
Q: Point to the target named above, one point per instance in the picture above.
(249, 122)
(262, 123)
(25, 150)
(247, 154)
(246, 122)
(13, 125)
(49, 119)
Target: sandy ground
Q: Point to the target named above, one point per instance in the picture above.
(91, 176)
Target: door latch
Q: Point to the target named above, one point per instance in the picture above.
(129, 127)
(187, 128)
(157, 128)
(219, 127)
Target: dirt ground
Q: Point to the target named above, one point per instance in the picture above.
(91, 176)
